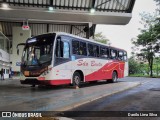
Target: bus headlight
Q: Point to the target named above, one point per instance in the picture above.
(46, 72)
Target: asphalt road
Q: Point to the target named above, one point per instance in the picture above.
(145, 97)
(141, 98)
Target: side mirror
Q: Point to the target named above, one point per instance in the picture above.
(17, 51)
(18, 48)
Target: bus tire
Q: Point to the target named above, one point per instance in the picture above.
(114, 77)
(76, 79)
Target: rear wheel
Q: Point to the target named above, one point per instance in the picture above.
(114, 77)
(76, 79)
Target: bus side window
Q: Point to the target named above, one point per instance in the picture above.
(107, 52)
(66, 50)
(83, 48)
(125, 56)
(58, 47)
(116, 52)
(90, 50)
(103, 52)
(120, 55)
(113, 54)
(62, 49)
(75, 47)
(96, 51)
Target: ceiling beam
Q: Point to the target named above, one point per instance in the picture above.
(132, 2)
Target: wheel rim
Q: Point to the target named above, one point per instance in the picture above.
(115, 78)
(76, 80)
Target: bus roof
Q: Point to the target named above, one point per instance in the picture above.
(71, 35)
(89, 40)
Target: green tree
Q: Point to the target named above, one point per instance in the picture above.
(101, 38)
(147, 40)
(134, 66)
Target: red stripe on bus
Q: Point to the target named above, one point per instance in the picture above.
(106, 72)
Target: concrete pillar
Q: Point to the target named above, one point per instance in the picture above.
(19, 36)
(0, 27)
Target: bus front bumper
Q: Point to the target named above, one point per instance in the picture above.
(31, 82)
(34, 81)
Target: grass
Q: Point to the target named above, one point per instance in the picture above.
(138, 75)
(141, 75)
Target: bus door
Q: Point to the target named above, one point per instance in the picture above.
(62, 62)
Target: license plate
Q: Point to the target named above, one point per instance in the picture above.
(26, 73)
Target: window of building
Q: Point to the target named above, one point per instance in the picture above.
(7, 71)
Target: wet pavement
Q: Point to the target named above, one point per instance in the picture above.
(17, 97)
(140, 99)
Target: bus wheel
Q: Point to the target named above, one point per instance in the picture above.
(114, 77)
(76, 79)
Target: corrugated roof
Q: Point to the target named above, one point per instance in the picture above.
(7, 27)
(41, 28)
(81, 5)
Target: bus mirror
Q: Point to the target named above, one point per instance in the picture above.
(17, 51)
(18, 48)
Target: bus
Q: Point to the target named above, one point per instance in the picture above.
(60, 58)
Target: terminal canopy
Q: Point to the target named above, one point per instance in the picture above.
(78, 11)
(78, 17)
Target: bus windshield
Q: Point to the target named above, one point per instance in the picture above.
(38, 50)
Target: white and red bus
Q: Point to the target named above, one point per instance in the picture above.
(61, 58)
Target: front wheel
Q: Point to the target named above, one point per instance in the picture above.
(76, 79)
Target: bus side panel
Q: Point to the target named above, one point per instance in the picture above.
(61, 72)
(106, 71)
(121, 70)
(126, 69)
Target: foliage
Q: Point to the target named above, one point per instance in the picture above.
(147, 40)
(134, 66)
(101, 38)
(158, 2)
(147, 44)
(141, 69)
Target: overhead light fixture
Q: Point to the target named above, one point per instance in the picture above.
(50, 8)
(92, 10)
(5, 6)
